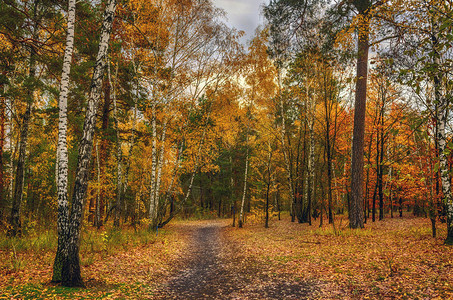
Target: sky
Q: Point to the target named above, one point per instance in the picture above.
(243, 15)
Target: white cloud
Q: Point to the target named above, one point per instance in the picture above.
(242, 14)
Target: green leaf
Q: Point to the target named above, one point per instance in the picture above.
(436, 167)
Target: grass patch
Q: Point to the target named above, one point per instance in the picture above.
(122, 264)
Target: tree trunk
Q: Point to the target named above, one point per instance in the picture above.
(441, 120)
(241, 213)
(373, 213)
(443, 165)
(71, 267)
(118, 204)
(23, 137)
(381, 174)
(12, 150)
(2, 143)
(311, 161)
(232, 191)
(266, 224)
(97, 216)
(356, 201)
(160, 165)
(152, 200)
(62, 148)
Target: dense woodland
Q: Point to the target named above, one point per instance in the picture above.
(135, 112)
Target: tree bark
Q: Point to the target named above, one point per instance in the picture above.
(2, 144)
(152, 202)
(241, 213)
(445, 172)
(311, 158)
(356, 203)
(266, 224)
(160, 165)
(442, 117)
(232, 190)
(71, 266)
(62, 148)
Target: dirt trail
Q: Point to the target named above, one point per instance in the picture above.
(210, 273)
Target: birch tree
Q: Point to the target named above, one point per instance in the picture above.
(70, 272)
(62, 147)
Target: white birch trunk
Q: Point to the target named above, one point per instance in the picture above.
(445, 171)
(62, 147)
(241, 213)
(442, 117)
(159, 171)
(71, 268)
(152, 198)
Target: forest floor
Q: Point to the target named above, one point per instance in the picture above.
(394, 258)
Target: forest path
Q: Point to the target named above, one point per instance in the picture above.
(212, 271)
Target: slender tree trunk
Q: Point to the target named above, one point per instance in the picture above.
(277, 199)
(329, 173)
(12, 151)
(105, 204)
(381, 171)
(160, 165)
(373, 213)
(118, 204)
(62, 148)
(266, 224)
(71, 267)
(311, 161)
(443, 166)
(97, 217)
(152, 202)
(366, 205)
(2, 144)
(356, 203)
(376, 187)
(241, 213)
(232, 190)
(23, 137)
